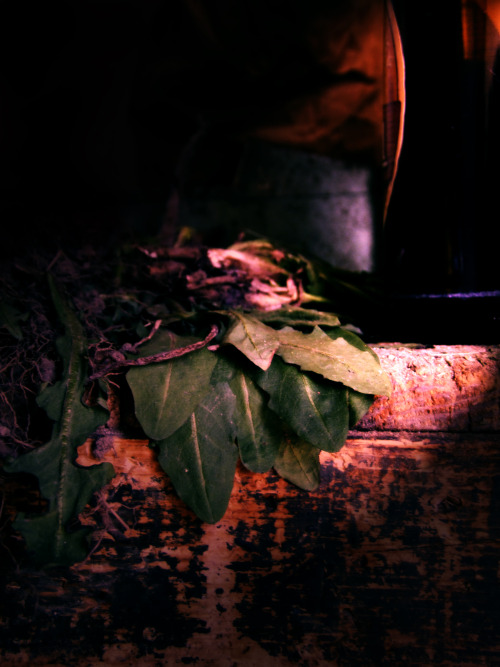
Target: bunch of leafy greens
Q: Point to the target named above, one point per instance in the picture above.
(273, 388)
(273, 397)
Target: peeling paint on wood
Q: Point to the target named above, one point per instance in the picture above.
(393, 560)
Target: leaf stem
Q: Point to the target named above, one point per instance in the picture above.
(156, 358)
(73, 373)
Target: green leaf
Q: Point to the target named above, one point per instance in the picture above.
(227, 366)
(258, 431)
(359, 404)
(166, 393)
(51, 398)
(298, 462)
(339, 356)
(315, 409)
(10, 318)
(254, 339)
(200, 457)
(295, 317)
(66, 487)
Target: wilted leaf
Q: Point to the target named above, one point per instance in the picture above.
(298, 462)
(258, 431)
(200, 457)
(66, 487)
(254, 339)
(339, 356)
(244, 256)
(166, 393)
(314, 408)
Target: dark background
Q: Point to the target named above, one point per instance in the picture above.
(92, 128)
(444, 213)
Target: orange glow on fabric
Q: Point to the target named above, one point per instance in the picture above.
(493, 12)
(480, 28)
(394, 99)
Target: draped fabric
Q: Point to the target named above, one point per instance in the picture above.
(313, 75)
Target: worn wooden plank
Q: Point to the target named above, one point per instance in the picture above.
(440, 388)
(393, 560)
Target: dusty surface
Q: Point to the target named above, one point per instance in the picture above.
(393, 560)
(442, 388)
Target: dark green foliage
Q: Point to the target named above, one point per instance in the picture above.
(299, 394)
(66, 487)
(272, 388)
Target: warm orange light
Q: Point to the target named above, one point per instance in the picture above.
(492, 8)
(394, 98)
(480, 29)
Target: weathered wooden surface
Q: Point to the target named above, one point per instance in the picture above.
(393, 560)
(442, 388)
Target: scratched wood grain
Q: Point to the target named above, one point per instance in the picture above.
(393, 560)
